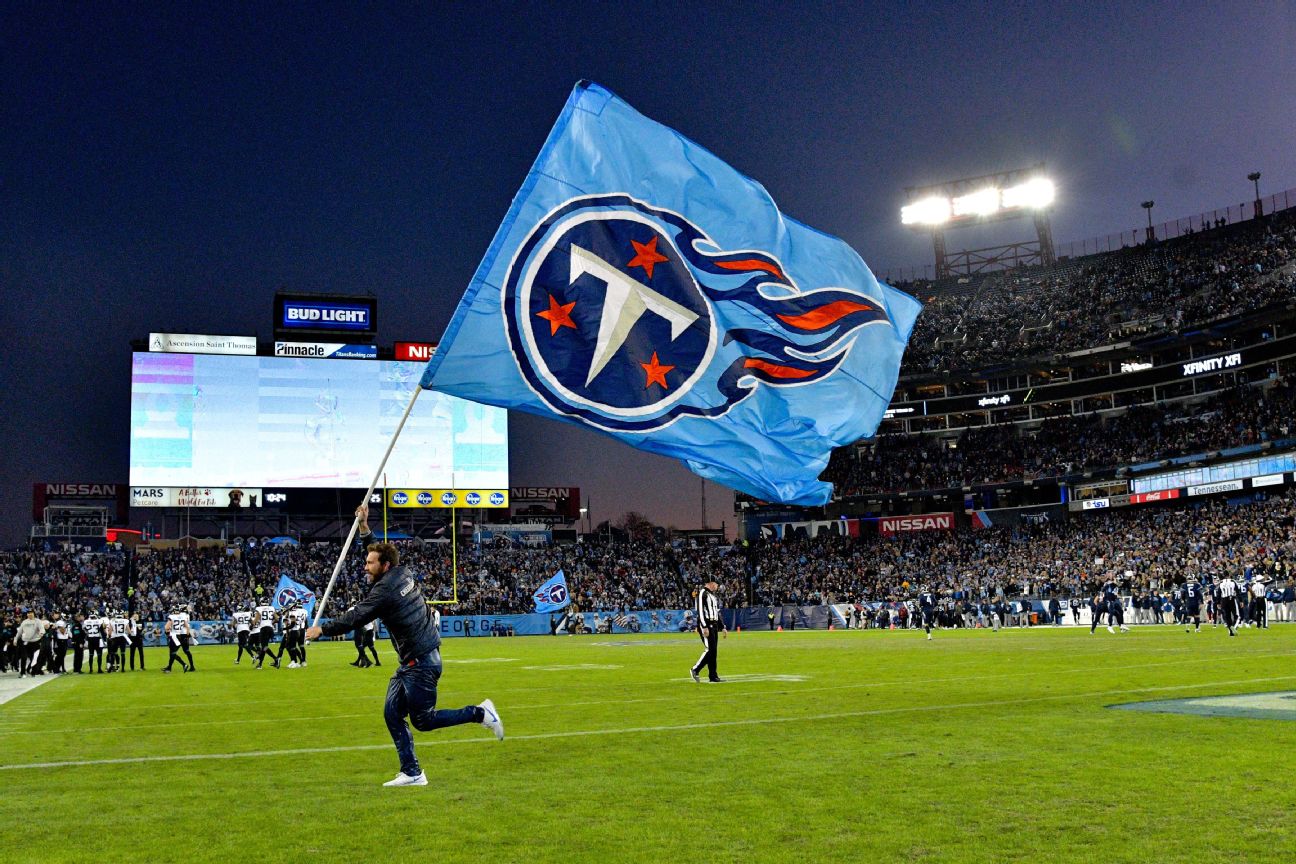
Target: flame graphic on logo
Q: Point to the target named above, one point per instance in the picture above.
(805, 335)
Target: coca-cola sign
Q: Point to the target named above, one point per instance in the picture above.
(1148, 497)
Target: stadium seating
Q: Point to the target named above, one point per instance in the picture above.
(1142, 549)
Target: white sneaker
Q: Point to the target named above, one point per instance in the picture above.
(292, 665)
(491, 719)
(301, 665)
(403, 779)
(1124, 629)
(1109, 629)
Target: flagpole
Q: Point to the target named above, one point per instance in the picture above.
(355, 523)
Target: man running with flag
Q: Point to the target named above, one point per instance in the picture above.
(395, 597)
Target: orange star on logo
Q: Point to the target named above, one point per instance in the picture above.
(558, 315)
(646, 256)
(656, 372)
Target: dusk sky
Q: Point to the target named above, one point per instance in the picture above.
(168, 167)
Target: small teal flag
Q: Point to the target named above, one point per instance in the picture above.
(552, 595)
(642, 287)
(291, 591)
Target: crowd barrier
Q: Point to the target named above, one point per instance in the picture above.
(641, 621)
(839, 616)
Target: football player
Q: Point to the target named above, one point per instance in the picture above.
(178, 637)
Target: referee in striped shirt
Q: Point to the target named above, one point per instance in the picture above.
(709, 627)
(1228, 603)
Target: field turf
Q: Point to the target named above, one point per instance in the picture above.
(822, 746)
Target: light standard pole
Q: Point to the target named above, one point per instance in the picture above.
(1148, 205)
(1254, 177)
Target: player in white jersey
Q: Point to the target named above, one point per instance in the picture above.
(1228, 603)
(179, 635)
(243, 631)
(263, 621)
(118, 628)
(1258, 613)
(62, 636)
(294, 632)
(93, 626)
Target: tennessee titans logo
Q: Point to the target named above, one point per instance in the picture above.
(557, 593)
(629, 317)
(292, 595)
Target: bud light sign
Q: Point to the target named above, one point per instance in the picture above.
(326, 316)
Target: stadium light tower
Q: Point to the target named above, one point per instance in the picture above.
(1254, 177)
(1151, 234)
(979, 201)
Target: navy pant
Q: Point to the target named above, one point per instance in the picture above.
(412, 692)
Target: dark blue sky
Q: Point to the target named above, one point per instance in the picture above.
(168, 168)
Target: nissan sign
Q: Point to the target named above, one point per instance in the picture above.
(417, 351)
(889, 525)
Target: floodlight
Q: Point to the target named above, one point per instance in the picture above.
(1034, 194)
(928, 211)
(982, 203)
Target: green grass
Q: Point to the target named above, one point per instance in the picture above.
(976, 746)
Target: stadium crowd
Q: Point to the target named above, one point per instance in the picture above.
(1141, 550)
(1009, 317)
(891, 463)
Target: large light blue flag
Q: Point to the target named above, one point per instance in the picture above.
(291, 591)
(642, 287)
(552, 595)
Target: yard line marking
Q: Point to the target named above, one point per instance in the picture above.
(95, 730)
(680, 727)
(28, 714)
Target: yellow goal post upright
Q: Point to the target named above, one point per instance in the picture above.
(454, 554)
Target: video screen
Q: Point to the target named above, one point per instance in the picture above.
(216, 420)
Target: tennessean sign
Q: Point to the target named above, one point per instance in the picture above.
(926, 522)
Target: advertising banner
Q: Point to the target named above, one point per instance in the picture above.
(1212, 488)
(195, 343)
(419, 352)
(46, 494)
(891, 525)
(1149, 497)
(195, 496)
(447, 498)
(326, 315)
(564, 501)
(326, 350)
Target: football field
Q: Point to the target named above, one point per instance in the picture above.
(872, 746)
